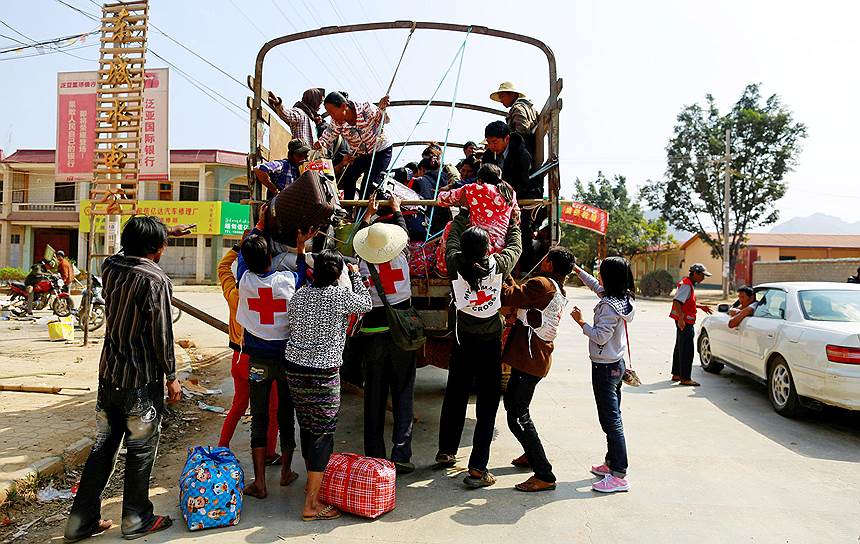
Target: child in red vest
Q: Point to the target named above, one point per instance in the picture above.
(490, 201)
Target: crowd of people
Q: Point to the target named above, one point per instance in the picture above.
(294, 313)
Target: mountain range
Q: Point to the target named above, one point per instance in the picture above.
(817, 223)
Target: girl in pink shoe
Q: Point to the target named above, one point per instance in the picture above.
(490, 202)
(607, 344)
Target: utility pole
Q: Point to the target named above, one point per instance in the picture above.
(727, 196)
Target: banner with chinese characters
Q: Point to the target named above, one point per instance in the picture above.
(584, 216)
(211, 218)
(76, 121)
(155, 152)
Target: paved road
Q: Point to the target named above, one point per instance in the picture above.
(711, 464)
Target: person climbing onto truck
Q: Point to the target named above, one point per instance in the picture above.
(522, 115)
(277, 174)
(360, 123)
(304, 117)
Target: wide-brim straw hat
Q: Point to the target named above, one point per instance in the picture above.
(506, 87)
(380, 242)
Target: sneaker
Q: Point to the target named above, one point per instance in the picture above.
(601, 471)
(611, 484)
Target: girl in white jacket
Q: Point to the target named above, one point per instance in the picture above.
(607, 343)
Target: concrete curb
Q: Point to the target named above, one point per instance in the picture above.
(73, 455)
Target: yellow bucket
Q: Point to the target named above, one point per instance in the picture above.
(64, 329)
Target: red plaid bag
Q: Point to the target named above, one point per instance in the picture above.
(364, 486)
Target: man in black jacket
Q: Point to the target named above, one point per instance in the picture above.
(508, 150)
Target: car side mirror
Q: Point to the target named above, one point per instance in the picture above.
(723, 308)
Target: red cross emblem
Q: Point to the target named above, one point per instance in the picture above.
(481, 297)
(388, 276)
(267, 306)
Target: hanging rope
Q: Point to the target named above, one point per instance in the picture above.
(448, 131)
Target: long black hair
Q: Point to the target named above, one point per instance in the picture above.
(474, 248)
(492, 175)
(617, 278)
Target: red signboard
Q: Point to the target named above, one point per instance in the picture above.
(155, 156)
(585, 216)
(76, 121)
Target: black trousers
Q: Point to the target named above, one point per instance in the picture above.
(476, 359)
(361, 165)
(518, 398)
(682, 359)
(388, 368)
(133, 414)
(261, 375)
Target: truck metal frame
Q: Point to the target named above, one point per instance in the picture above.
(430, 295)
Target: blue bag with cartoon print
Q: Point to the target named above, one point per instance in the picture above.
(210, 488)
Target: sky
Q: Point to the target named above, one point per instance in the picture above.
(628, 67)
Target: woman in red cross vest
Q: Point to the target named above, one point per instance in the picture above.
(683, 312)
(264, 297)
(477, 286)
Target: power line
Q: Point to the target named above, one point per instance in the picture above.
(44, 43)
(43, 53)
(34, 41)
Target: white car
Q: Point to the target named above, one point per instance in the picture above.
(803, 341)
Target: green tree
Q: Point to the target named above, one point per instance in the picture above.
(628, 232)
(765, 144)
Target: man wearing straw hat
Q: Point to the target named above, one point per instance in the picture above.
(522, 115)
(382, 244)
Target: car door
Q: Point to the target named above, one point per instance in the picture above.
(725, 342)
(760, 332)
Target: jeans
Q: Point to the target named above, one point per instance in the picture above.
(475, 359)
(682, 359)
(239, 369)
(518, 397)
(606, 383)
(262, 374)
(388, 368)
(133, 414)
(361, 165)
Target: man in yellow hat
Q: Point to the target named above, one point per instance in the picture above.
(522, 115)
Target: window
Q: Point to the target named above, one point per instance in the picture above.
(771, 304)
(189, 191)
(19, 186)
(787, 258)
(228, 243)
(831, 305)
(182, 242)
(239, 192)
(1, 190)
(165, 190)
(15, 239)
(64, 192)
(208, 242)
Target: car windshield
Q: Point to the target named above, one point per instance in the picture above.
(831, 305)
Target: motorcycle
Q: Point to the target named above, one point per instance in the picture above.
(47, 291)
(96, 304)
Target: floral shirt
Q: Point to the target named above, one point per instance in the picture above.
(318, 318)
(361, 136)
(487, 209)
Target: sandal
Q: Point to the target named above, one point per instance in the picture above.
(445, 460)
(323, 515)
(690, 383)
(535, 484)
(161, 523)
(102, 526)
(522, 461)
(290, 478)
(485, 480)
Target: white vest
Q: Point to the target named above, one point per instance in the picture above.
(483, 303)
(263, 304)
(550, 317)
(394, 276)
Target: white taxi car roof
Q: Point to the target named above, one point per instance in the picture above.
(810, 285)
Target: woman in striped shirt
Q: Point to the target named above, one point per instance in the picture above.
(359, 124)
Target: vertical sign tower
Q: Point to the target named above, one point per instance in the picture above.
(119, 107)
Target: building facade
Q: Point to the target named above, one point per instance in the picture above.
(37, 209)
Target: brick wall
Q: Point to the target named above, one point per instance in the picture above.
(836, 270)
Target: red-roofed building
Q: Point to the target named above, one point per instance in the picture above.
(38, 209)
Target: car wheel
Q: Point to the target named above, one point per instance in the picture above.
(781, 389)
(706, 356)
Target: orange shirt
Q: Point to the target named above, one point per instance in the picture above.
(231, 293)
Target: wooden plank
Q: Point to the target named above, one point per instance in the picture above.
(101, 109)
(121, 171)
(120, 130)
(116, 141)
(121, 50)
